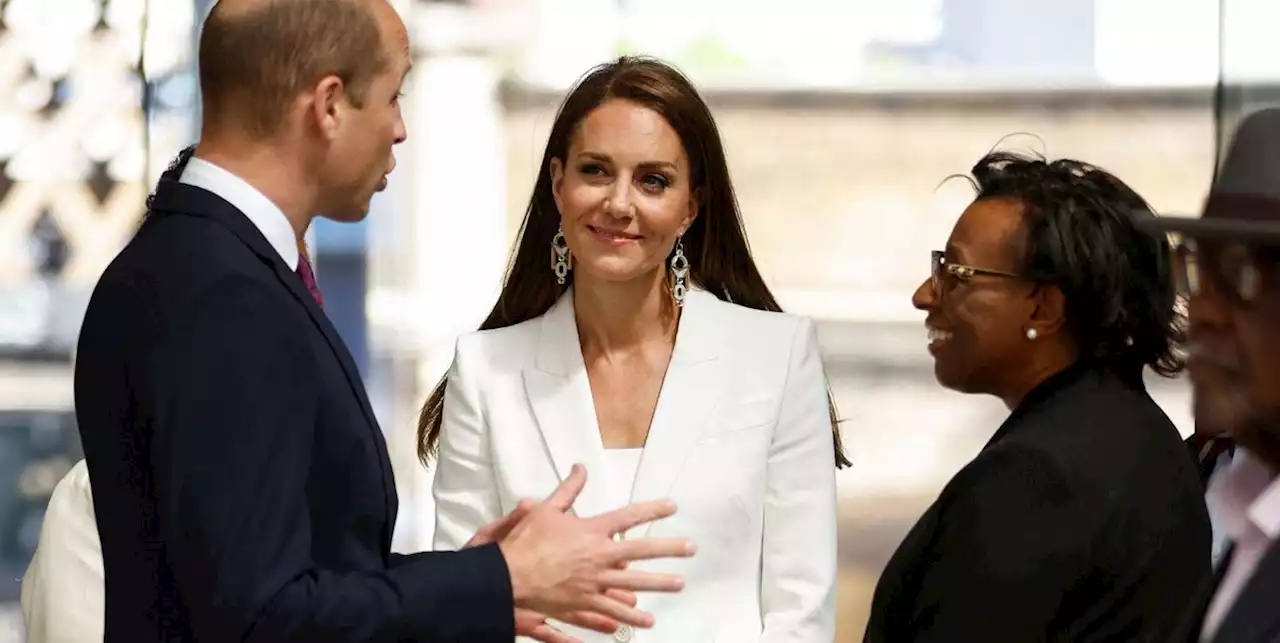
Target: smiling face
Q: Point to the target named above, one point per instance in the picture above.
(624, 193)
(977, 323)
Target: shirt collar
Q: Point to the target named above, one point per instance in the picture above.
(268, 218)
(1246, 496)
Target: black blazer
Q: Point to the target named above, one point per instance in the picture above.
(1082, 519)
(1254, 616)
(242, 486)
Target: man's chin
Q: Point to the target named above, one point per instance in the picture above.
(347, 215)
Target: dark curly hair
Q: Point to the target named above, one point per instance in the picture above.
(1082, 235)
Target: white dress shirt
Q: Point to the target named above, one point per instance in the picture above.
(265, 215)
(62, 591)
(621, 465)
(1245, 500)
(1220, 538)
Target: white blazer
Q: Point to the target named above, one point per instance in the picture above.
(740, 440)
(62, 591)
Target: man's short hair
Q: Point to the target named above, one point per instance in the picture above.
(255, 62)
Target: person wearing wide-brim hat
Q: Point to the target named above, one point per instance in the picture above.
(1228, 265)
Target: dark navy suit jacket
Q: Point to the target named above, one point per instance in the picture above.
(242, 486)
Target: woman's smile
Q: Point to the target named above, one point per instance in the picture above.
(615, 238)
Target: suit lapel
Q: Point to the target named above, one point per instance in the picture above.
(352, 374)
(690, 391)
(1255, 616)
(560, 396)
(174, 197)
(1193, 620)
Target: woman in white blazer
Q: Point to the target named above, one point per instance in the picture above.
(62, 591)
(614, 345)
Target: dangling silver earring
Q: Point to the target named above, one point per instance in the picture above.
(561, 259)
(679, 273)
(1032, 334)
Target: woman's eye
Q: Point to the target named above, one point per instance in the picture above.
(591, 169)
(656, 181)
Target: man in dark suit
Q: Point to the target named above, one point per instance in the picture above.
(241, 485)
(1229, 264)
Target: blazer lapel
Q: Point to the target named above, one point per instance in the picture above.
(174, 197)
(560, 396)
(690, 391)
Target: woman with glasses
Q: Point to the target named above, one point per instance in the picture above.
(1082, 517)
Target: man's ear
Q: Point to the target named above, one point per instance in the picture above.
(328, 106)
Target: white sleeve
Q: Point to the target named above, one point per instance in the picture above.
(62, 591)
(798, 576)
(464, 489)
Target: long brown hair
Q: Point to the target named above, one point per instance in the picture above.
(715, 244)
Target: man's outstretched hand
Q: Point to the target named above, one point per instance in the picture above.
(572, 569)
(528, 622)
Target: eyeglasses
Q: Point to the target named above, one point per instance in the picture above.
(945, 274)
(1236, 268)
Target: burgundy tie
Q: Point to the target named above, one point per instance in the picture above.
(309, 278)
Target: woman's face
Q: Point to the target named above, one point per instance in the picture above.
(977, 325)
(623, 192)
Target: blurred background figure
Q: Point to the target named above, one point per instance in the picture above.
(1229, 266)
(838, 117)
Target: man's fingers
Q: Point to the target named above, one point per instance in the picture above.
(548, 634)
(486, 534)
(620, 520)
(565, 494)
(647, 548)
(512, 519)
(592, 621)
(621, 612)
(622, 596)
(641, 581)
(534, 625)
(498, 529)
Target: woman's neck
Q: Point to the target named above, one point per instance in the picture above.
(622, 315)
(1046, 364)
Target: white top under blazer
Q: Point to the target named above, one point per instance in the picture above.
(740, 440)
